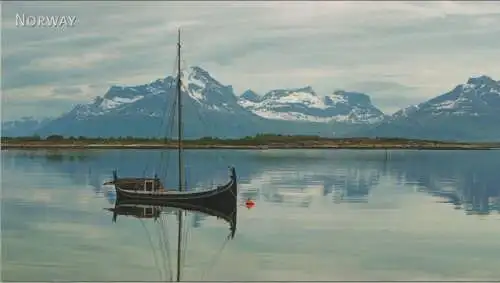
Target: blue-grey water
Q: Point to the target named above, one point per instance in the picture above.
(319, 215)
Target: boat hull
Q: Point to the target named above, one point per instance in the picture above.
(224, 194)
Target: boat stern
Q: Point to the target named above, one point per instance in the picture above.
(232, 173)
(112, 182)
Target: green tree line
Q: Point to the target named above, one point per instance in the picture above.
(263, 139)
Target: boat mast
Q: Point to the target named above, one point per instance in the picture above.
(179, 140)
(179, 111)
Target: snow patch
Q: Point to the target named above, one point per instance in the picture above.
(153, 90)
(293, 116)
(336, 99)
(247, 103)
(492, 90)
(306, 98)
(195, 80)
(108, 104)
(448, 104)
(468, 86)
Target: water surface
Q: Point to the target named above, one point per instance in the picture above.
(319, 215)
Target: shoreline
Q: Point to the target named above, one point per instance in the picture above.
(141, 146)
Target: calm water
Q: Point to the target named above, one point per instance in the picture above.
(319, 215)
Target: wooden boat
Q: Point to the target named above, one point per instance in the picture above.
(152, 189)
(220, 201)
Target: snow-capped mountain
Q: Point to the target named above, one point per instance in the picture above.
(304, 104)
(209, 109)
(249, 95)
(200, 87)
(144, 110)
(479, 96)
(120, 98)
(470, 111)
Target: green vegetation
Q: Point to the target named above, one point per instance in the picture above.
(258, 141)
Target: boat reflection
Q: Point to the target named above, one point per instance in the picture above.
(141, 209)
(144, 210)
(137, 211)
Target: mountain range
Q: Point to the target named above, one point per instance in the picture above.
(470, 111)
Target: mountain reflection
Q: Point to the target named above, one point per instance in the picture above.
(354, 185)
(464, 180)
(478, 200)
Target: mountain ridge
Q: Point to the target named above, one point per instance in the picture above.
(470, 111)
(137, 111)
(210, 107)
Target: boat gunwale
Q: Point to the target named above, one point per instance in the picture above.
(171, 194)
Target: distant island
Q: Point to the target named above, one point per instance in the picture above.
(260, 141)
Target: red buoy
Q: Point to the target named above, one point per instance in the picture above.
(249, 203)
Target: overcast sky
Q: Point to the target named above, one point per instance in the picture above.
(400, 53)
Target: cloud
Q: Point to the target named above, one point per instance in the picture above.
(426, 47)
(66, 90)
(73, 229)
(388, 95)
(62, 63)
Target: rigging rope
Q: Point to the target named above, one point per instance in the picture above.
(206, 126)
(170, 125)
(165, 246)
(162, 248)
(152, 247)
(184, 244)
(170, 122)
(185, 234)
(165, 231)
(217, 255)
(165, 115)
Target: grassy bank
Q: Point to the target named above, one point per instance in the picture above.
(256, 142)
